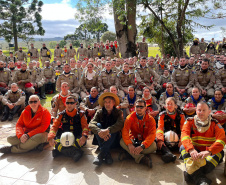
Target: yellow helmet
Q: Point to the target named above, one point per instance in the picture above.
(62, 55)
(58, 73)
(29, 54)
(99, 54)
(48, 53)
(196, 39)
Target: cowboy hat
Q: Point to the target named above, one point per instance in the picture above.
(104, 95)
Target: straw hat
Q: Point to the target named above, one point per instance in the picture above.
(102, 96)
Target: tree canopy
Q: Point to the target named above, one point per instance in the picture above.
(21, 19)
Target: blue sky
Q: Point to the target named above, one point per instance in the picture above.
(58, 20)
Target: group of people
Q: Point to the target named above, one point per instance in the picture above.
(143, 105)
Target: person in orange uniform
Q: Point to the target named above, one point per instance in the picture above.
(138, 135)
(31, 128)
(69, 120)
(203, 138)
(170, 120)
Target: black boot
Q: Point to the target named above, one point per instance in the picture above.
(199, 178)
(167, 155)
(13, 112)
(28, 94)
(42, 92)
(5, 113)
(54, 87)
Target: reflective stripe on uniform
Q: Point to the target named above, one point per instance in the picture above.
(203, 138)
(52, 132)
(212, 160)
(59, 147)
(199, 144)
(183, 152)
(219, 156)
(185, 160)
(160, 131)
(221, 142)
(185, 137)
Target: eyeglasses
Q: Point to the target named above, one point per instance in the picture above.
(30, 102)
(140, 107)
(68, 103)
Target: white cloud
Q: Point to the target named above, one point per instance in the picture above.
(58, 11)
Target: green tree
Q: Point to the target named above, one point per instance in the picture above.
(52, 44)
(183, 13)
(28, 41)
(62, 43)
(90, 15)
(111, 36)
(21, 18)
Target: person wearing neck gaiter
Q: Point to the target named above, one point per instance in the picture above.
(88, 80)
(203, 141)
(69, 120)
(21, 55)
(13, 101)
(170, 92)
(71, 79)
(221, 78)
(195, 98)
(24, 81)
(49, 78)
(195, 48)
(45, 54)
(146, 78)
(82, 52)
(71, 52)
(183, 78)
(218, 103)
(138, 135)
(205, 79)
(33, 53)
(170, 121)
(57, 52)
(5, 79)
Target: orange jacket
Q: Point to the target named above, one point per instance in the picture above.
(133, 127)
(160, 130)
(57, 123)
(32, 126)
(212, 140)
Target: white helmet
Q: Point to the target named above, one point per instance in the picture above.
(67, 139)
(171, 138)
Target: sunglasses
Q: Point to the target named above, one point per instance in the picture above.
(140, 107)
(68, 103)
(30, 102)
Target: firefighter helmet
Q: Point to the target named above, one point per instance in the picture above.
(67, 139)
(171, 138)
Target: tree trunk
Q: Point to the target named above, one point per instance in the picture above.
(126, 37)
(15, 37)
(98, 37)
(131, 27)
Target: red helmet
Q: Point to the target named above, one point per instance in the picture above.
(27, 85)
(115, 42)
(132, 109)
(220, 121)
(150, 109)
(189, 105)
(164, 85)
